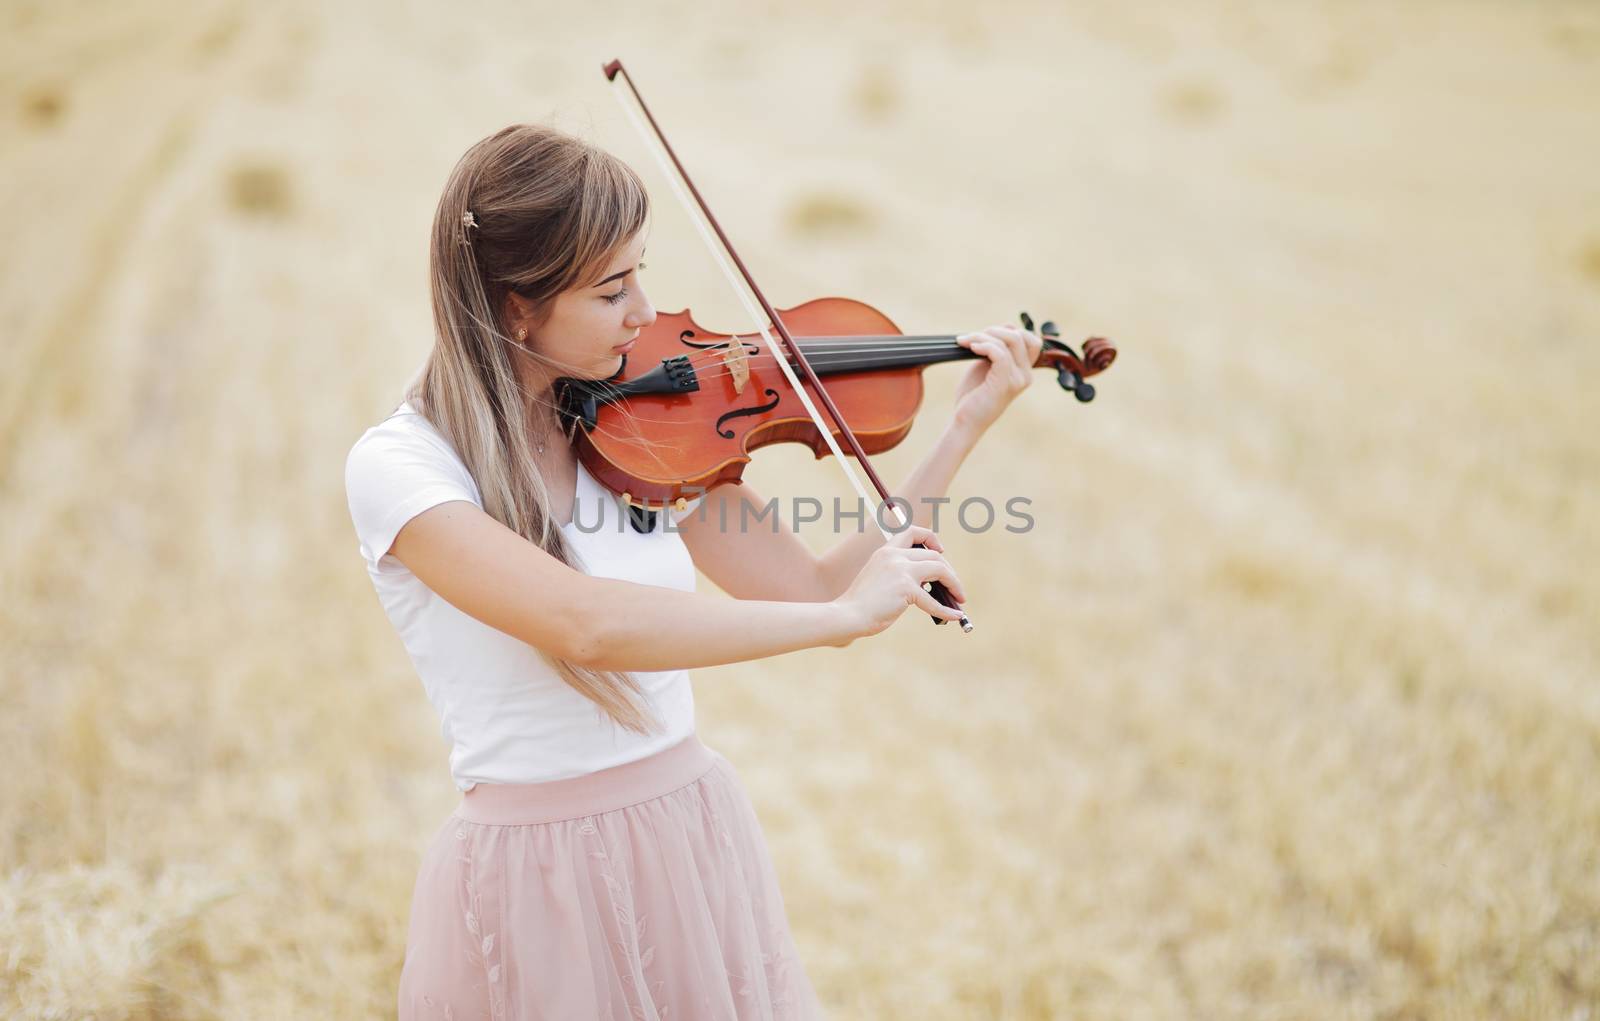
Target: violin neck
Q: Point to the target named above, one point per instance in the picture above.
(864, 354)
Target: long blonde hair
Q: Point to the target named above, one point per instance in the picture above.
(547, 210)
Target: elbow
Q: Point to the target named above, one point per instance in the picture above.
(583, 643)
(573, 630)
(597, 635)
(608, 640)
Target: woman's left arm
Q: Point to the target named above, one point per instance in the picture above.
(769, 561)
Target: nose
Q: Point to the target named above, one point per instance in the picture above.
(641, 315)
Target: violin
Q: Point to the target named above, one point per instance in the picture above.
(688, 406)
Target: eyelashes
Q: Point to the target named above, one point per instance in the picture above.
(612, 299)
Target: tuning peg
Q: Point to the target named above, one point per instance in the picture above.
(1049, 330)
(1070, 380)
(1027, 320)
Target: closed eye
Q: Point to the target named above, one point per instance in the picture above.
(612, 299)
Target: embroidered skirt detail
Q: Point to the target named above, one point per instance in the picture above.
(643, 892)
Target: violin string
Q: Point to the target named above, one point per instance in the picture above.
(766, 363)
(815, 351)
(755, 364)
(890, 356)
(884, 356)
(814, 348)
(872, 344)
(823, 366)
(822, 344)
(716, 366)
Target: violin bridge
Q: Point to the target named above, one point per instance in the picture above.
(738, 363)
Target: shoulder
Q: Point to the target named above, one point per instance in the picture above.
(397, 469)
(404, 426)
(404, 447)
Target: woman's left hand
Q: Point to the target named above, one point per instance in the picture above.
(990, 385)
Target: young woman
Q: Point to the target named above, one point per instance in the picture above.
(603, 861)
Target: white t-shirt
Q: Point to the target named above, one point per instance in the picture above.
(506, 715)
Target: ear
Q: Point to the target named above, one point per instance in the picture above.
(516, 311)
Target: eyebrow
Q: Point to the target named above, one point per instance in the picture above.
(615, 276)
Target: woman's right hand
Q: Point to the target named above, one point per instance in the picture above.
(891, 581)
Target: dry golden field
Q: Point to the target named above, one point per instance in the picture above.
(1288, 707)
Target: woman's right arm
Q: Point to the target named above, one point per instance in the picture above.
(493, 574)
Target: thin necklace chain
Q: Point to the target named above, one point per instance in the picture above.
(540, 441)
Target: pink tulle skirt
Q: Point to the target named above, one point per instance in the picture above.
(644, 891)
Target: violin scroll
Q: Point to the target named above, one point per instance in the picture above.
(1072, 370)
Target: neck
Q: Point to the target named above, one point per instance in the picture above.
(544, 428)
(539, 395)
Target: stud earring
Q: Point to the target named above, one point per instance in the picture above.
(522, 334)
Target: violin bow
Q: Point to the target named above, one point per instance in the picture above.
(700, 214)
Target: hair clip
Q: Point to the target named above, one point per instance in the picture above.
(468, 220)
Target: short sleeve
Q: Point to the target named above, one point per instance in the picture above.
(392, 474)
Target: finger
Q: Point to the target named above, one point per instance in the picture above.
(928, 604)
(1018, 346)
(1031, 341)
(1018, 357)
(908, 537)
(1035, 345)
(922, 549)
(1010, 345)
(986, 346)
(932, 542)
(920, 555)
(941, 571)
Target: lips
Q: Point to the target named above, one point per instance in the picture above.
(625, 348)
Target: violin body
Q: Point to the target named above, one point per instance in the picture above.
(689, 406)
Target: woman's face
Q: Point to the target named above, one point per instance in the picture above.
(588, 326)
